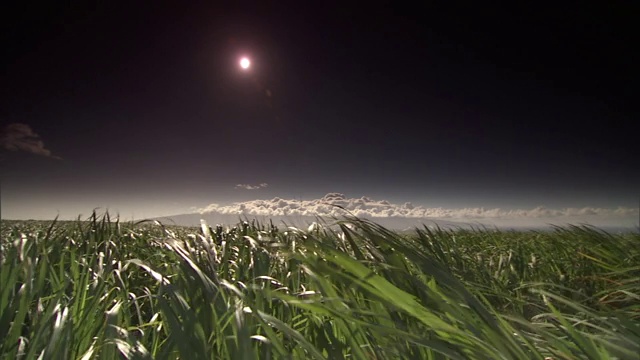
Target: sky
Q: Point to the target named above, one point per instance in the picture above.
(143, 109)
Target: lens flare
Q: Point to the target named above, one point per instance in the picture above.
(245, 63)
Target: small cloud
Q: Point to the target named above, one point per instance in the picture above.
(251, 187)
(20, 137)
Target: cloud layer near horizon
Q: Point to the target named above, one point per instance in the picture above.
(20, 137)
(369, 208)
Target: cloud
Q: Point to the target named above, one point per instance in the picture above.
(368, 208)
(20, 137)
(251, 187)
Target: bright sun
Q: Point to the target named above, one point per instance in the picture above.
(245, 63)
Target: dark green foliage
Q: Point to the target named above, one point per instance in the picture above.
(350, 289)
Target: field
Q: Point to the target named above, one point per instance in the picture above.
(349, 289)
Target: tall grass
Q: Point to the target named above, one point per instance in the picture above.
(101, 289)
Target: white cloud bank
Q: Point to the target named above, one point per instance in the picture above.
(368, 208)
(20, 137)
(251, 187)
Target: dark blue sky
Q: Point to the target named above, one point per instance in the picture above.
(443, 106)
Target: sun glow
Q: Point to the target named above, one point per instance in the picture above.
(245, 63)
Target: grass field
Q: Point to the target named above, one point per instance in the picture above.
(101, 289)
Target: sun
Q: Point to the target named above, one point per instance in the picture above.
(245, 63)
